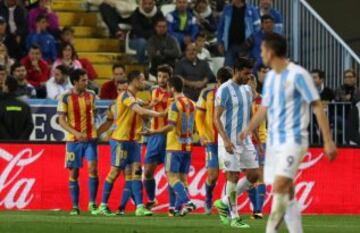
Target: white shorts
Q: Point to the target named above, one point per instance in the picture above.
(283, 160)
(244, 157)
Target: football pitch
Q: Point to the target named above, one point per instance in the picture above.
(46, 222)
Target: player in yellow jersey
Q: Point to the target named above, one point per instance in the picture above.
(156, 143)
(179, 131)
(204, 119)
(258, 192)
(77, 111)
(125, 148)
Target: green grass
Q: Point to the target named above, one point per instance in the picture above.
(54, 222)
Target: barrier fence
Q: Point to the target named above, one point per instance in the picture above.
(32, 176)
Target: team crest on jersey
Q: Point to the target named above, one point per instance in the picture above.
(227, 164)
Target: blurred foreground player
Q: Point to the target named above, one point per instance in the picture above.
(156, 143)
(204, 117)
(179, 131)
(77, 112)
(287, 95)
(127, 116)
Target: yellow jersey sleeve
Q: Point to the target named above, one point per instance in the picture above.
(128, 100)
(110, 114)
(173, 114)
(63, 104)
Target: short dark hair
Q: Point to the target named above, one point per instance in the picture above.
(11, 84)
(76, 74)
(67, 28)
(224, 74)
(133, 75)
(241, 63)
(63, 69)
(201, 34)
(118, 65)
(35, 46)
(319, 72)
(260, 67)
(2, 68)
(266, 17)
(177, 83)
(15, 66)
(277, 43)
(350, 71)
(159, 19)
(165, 68)
(41, 17)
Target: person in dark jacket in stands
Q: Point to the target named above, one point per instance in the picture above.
(16, 121)
(326, 94)
(205, 18)
(353, 125)
(348, 92)
(142, 23)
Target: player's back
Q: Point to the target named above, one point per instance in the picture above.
(237, 101)
(181, 115)
(127, 122)
(163, 100)
(288, 96)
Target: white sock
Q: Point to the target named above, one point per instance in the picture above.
(279, 206)
(293, 217)
(230, 198)
(243, 185)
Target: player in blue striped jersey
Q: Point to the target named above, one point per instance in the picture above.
(288, 93)
(233, 104)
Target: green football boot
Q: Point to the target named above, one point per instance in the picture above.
(93, 208)
(238, 223)
(104, 210)
(75, 211)
(142, 211)
(223, 211)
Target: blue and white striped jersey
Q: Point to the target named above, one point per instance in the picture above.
(287, 97)
(237, 101)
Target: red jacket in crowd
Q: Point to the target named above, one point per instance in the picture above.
(108, 90)
(36, 77)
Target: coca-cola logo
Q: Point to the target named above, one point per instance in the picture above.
(16, 192)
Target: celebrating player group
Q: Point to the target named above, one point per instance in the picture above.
(262, 135)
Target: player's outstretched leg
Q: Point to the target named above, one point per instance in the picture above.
(150, 184)
(172, 201)
(108, 186)
(126, 194)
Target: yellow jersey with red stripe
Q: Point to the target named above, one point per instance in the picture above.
(181, 114)
(80, 111)
(205, 111)
(262, 131)
(163, 100)
(127, 123)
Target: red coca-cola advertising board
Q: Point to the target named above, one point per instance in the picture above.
(32, 176)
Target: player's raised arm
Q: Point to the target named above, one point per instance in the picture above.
(146, 112)
(329, 145)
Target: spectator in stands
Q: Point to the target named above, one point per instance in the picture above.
(265, 8)
(15, 115)
(202, 52)
(142, 22)
(9, 40)
(205, 18)
(67, 57)
(261, 73)
(353, 125)
(15, 17)
(44, 8)
(196, 73)
(59, 83)
(162, 47)
(115, 12)
(252, 46)
(3, 75)
(5, 60)
(182, 23)
(67, 36)
(238, 22)
(348, 92)
(37, 70)
(109, 89)
(24, 90)
(326, 94)
(43, 38)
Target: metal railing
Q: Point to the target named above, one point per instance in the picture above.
(313, 43)
(338, 118)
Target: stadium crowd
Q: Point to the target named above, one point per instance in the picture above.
(187, 35)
